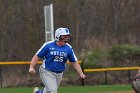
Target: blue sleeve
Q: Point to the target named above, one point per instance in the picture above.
(72, 56)
(42, 51)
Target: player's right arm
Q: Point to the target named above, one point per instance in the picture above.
(34, 60)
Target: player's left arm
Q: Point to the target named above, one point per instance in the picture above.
(138, 73)
(73, 59)
(78, 69)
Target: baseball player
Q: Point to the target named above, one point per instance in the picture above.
(136, 82)
(55, 55)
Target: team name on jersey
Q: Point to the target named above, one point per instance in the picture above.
(58, 53)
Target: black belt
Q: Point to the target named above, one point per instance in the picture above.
(52, 70)
(56, 71)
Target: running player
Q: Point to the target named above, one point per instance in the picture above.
(55, 55)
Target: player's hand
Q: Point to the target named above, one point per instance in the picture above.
(138, 74)
(82, 76)
(31, 70)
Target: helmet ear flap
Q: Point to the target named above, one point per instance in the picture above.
(60, 38)
(57, 36)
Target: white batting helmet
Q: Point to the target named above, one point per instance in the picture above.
(61, 31)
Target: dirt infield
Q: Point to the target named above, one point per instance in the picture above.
(122, 92)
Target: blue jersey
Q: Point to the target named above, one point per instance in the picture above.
(55, 57)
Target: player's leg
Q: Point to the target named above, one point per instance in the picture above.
(50, 80)
(59, 78)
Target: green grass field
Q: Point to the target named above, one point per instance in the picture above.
(75, 89)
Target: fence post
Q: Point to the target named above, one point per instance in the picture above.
(105, 77)
(129, 77)
(1, 76)
(82, 66)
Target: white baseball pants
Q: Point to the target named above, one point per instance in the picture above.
(50, 79)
